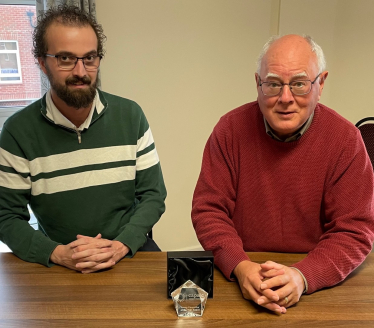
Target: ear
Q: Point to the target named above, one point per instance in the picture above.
(42, 64)
(322, 79)
(257, 78)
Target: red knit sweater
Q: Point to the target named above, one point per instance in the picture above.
(314, 195)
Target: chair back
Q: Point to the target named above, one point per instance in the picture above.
(366, 127)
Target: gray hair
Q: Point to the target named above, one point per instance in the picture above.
(321, 61)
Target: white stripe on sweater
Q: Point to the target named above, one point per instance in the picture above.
(82, 157)
(83, 180)
(20, 164)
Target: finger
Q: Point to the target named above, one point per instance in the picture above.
(96, 254)
(254, 290)
(268, 265)
(84, 243)
(274, 307)
(272, 273)
(83, 236)
(83, 240)
(90, 264)
(286, 301)
(100, 266)
(269, 295)
(277, 281)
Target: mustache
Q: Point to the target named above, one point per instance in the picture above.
(77, 79)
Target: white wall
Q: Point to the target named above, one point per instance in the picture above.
(344, 29)
(187, 62)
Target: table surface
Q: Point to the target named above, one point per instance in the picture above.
(133, 294)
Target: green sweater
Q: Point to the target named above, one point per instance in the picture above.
(110, 183)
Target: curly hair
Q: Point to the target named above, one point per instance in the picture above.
(68, 16)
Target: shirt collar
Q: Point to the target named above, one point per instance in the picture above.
(298, 134)
(55, 115)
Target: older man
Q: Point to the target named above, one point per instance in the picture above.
(286, 174)
(83, 159)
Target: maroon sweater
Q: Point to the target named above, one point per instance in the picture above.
(313, 195)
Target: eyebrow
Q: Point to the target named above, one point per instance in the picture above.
(302, 74)
(68, 53)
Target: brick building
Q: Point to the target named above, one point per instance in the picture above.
(19, 74)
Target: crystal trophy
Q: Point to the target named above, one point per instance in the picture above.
(189, 300)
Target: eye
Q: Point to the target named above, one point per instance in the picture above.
(67, 59)
(274, 85)
(298, 84)
(90, 58)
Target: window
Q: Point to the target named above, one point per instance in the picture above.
(20, 83)
(10, 67)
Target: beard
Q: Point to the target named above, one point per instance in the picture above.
(81, 98)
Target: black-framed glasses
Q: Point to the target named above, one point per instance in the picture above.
(68, 62)
(297, 87)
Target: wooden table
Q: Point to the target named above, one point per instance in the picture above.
(133, 294)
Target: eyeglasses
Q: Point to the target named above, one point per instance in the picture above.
(297, 87)
(67, 62)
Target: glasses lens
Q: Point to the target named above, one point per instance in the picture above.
(300, 87)
(66, 62)
(91, 62)
(271, 88)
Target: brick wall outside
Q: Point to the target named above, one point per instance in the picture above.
(15, 25)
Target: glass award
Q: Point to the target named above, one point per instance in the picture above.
(189, 300)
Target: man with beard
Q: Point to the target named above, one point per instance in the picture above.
(84, 160)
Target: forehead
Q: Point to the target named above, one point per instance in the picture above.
(75, 39)
(289, 57)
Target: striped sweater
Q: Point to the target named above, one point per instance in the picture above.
(109, 183)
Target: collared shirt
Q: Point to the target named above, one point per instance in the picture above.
(295, 136)
(56, 116)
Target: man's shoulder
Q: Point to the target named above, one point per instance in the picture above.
(244, 114)
(242, 111)
(333, 121)
(113, 100)
(24, 116)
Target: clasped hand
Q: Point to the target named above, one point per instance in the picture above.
(271, 285)
(89, 254)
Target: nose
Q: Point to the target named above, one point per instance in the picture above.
(79, 69)
(286, 96)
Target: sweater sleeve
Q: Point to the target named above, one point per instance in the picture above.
(150, 191)
(15, 187)
(214, 202)
(347, 215)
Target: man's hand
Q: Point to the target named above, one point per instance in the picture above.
(250, 277)
(62, 255)
(289, 286)
(87, 254)
(271, 285)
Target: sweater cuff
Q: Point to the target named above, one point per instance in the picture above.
(312, 278)
(133, 239)
(43, 249)
(228, 258)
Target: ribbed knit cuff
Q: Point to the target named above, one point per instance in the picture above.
(133, 239)
(227, 259)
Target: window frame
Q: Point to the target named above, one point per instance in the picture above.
(18, 2)
(6, 112)
(19, 73)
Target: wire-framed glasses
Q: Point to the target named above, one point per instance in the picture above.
(68, 62)
(297, 87)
